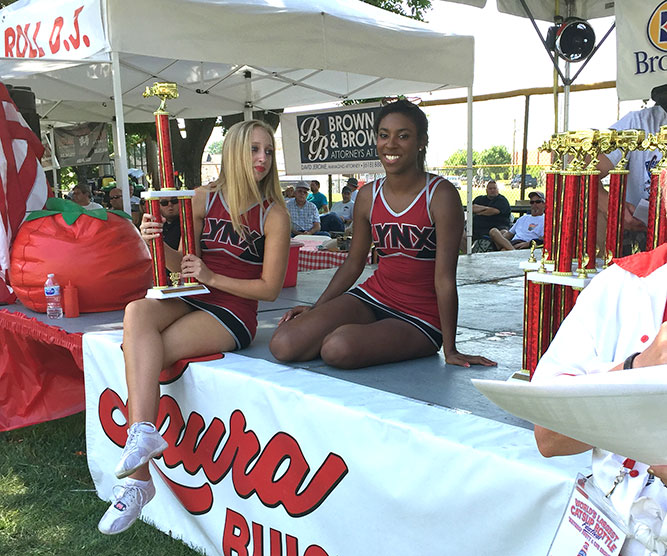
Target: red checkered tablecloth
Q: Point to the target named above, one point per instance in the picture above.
(312, 258)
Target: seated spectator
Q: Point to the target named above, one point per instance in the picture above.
(353, 184)
(81, 195)
(303, 213)
(528, 228)
(345, 208)
(490, 211)
(171, 224)
(289, 192)
(317, 198)
(116, 199)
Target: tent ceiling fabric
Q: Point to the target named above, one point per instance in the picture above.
(544, 10)
(298, 52)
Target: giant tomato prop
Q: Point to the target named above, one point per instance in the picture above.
(99, 251)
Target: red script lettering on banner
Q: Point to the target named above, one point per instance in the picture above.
(241, 449)
(30, 39)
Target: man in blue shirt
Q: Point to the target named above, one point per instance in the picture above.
(317, 198)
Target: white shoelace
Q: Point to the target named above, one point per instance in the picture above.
(128, 494)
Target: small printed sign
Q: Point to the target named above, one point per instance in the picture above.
(331, 141)
(587, 528)
(82, 144)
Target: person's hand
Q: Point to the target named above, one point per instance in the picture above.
(660, 471)
(294, 312)
(193, 267)
(464, 360)
(150, 228)
(629, 221)
(656, 353)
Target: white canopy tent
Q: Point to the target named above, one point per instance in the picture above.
(545, 10)
(228, 57)
(549, 10)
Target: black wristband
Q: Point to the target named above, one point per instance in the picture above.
(627, 364)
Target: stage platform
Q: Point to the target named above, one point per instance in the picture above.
(490, 287)
(307, 460)
(490, 323)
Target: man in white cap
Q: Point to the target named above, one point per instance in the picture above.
(528, 228)
(304, 214)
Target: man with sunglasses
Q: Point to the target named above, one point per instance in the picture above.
(116, 199)
(528, 228)
(171, 228)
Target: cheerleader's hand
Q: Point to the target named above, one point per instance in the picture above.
(150, 228)
(294, 312)
(193, 267)
(463, 360)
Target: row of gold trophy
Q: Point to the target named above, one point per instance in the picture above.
(169, 286)
(570, 254)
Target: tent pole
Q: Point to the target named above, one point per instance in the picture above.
(566, 98)
(54, 162)
(120, 160)
(247, 107)
(469, 176)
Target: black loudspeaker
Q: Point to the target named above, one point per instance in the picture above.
(659, 96)
(24, 99)
(573, 40)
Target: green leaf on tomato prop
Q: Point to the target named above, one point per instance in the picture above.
(71, 211)
(99, 251)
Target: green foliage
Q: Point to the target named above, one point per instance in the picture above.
(497, 154)
(497, 159)
(494, 162)
(460, 158)
(215, 147)
(48, 503)
(416, 8)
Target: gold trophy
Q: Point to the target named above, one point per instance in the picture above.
(162, 288)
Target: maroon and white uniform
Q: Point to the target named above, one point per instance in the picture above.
(403, 286)
(228, 253)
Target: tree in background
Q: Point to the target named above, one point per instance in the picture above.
(416, 8)
(460, 159)
(215, 147)
(496, 155)
(494, 160)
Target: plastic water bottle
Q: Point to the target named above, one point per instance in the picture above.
(54, 309)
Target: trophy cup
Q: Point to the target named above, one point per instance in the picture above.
(162, 289)
(657, 222)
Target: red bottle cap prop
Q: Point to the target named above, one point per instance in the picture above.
(71, 301)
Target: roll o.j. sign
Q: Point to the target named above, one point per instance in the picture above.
(64, 30)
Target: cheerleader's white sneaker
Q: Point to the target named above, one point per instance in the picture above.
(144, 442)
(129, 500)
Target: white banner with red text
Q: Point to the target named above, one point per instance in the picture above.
(641, 48)
(63, 30)
(263, 456)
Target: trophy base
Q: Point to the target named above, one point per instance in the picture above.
(523, 374)
(176, 291)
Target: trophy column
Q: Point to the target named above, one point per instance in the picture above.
(162, 289)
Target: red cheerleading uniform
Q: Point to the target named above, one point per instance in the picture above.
(403, 286)
(228, 253)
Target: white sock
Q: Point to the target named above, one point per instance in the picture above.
(137, 482)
